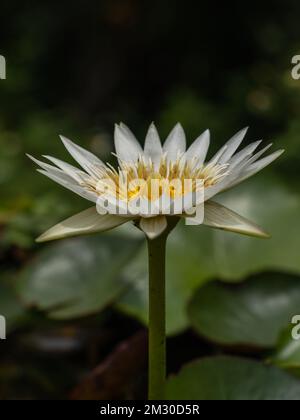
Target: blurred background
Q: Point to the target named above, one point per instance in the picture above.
(77, 310)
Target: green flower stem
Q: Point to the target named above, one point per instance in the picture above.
(157, 313)
(157, 318)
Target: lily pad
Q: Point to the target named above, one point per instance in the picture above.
(252, 313)
(78, 277)
(287, 352)
(231, 378)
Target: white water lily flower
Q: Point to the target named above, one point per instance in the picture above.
(101, 183)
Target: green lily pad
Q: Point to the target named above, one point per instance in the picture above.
(273, 206)
(287, 352)
(230, 378)
(252, 313)
(78, 277)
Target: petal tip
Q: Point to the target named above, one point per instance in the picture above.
(41, 239)
(30, 156)
(64, 140)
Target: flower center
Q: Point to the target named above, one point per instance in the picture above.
(145, 179)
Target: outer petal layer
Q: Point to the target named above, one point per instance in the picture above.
(87, 160)
(86, 222)
(220, 217)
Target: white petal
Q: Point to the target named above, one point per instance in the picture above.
(262, 163)
(175, 144)
(154, 226)
(254, 158)
(53, 171)
(220, 217)
(86, 222)
(242, 171)
(199, 148)
(215, 159)
(49, 168)
(128, 132)
(153, 147)
(127, 147)
(232, 145)
(257, 166)
(70, 170)
(86, 159)
(70, 185)
(244, 153)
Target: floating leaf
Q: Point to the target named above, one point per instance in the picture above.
(287, 353)
(252, 313)
(231, 378)
(78, 277)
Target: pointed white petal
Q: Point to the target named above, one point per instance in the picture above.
(244, 153)
(215, 159)
(52, 170)
(253, 158)
(70, 170)
(86, 222)
(261, 164)
(87, 160)
(128, 132)
(232, 145)
(153, 148)
(237, 172)
(257, 166)
(154, 226)
(127, 147)
(69, 183)
(242, 171)
(43, 165)
(175, 144)
(199, 148)
(220, 217)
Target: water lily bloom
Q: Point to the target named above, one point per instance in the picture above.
(156, 183)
